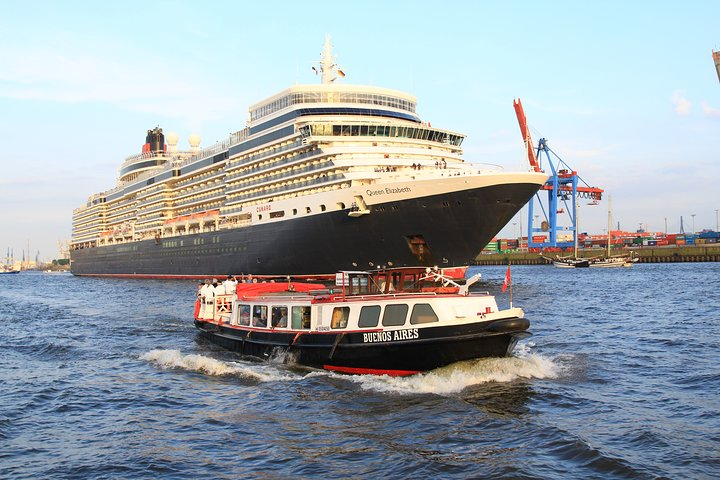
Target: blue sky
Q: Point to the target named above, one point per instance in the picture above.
(625, 92)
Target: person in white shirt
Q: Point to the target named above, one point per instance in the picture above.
(230, 285)
(222, 303)
(208, 296)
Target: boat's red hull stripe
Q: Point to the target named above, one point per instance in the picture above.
(370, 371)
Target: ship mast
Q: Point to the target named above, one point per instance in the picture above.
(329, 71)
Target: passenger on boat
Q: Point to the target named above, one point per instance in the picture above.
(279, 317)
(340, 317)
(260, 316)
(198, 300)
(229, 285)
(218, 288)
(244, 317)
(208, 297)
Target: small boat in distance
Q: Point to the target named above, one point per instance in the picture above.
(8, 266)
(607, 261)
(612, 261)
(396, 321)
(569, 262)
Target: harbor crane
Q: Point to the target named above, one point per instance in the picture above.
(563, 188)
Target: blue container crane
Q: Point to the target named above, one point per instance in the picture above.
(564, 187)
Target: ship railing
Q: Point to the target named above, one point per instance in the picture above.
(178, 159)
(143, 156)
(268, 153)
(235, 224)
(269, 192)
(222, 308)
(257, 169)
(279, 176)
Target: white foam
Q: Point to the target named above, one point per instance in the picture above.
(456, 377)
(443, 381)
(169, 359)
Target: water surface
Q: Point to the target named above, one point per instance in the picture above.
(107, 378)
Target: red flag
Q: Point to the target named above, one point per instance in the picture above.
(508, 279)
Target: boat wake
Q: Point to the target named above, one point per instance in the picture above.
(458, 376)
(442, 381)
(174, 359)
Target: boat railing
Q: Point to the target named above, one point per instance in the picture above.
(298, 297)
(222, 308)
(339, 297)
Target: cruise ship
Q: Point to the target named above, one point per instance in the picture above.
(323, 177)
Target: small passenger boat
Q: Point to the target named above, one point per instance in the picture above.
(569, 262)
(398, 321)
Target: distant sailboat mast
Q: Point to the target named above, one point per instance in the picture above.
(577, 226)
(609, 226)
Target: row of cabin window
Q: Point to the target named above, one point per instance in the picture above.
(393, 316)
(257, 316)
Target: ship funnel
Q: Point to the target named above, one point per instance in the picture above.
(154, 141)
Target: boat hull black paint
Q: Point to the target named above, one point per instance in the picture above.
(417, 350)
(454, 226)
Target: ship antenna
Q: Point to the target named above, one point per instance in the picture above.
(329, 71)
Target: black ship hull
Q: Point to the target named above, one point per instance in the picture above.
(444, 230)
(393, 352)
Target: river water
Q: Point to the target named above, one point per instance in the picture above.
(107, 378)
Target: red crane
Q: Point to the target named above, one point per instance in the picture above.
(562, 186)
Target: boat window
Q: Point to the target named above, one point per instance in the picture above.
(259, 316)
(394, 315)
(300, 318)
(369, 316)
(340, 317)
(423, 313)
(244, 315)
(279, 317)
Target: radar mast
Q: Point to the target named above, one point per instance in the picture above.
(329, 71)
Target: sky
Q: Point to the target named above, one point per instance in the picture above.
(625, 93)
